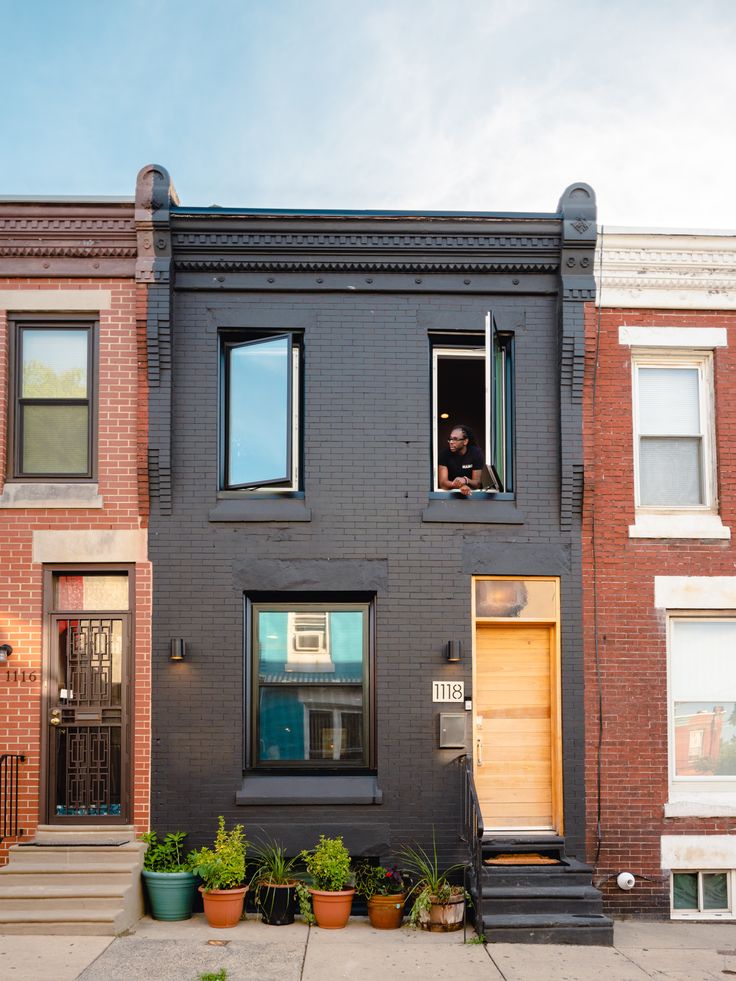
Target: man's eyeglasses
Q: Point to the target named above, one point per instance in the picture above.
(456, 439)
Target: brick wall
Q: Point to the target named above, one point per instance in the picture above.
(619, 598)
(123, 485)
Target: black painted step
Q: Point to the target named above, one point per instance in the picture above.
(549, 928)
(526, 878)
(548, 899)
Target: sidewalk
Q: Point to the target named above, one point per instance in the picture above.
(182, 951)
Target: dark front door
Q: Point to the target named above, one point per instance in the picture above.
(87, 719)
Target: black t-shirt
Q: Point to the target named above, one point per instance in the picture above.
(462, 466)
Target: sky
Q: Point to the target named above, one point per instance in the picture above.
(441, 105)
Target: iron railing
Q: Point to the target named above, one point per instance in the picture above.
(472, 835)
(9, 772)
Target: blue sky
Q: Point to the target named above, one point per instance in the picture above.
(420, 104)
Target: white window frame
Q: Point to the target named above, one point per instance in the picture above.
(718, 789)
(701, 913)
(702, 361)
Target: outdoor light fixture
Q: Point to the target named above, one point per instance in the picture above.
(178, 649)
(5, 651)
(454, 651)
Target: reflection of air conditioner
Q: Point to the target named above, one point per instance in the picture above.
(308, 642)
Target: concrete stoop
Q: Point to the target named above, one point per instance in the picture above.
(79, 881)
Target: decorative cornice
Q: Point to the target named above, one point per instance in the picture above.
(365, 242)
(336, 265)
(667, 270)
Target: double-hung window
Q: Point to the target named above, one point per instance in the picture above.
(309, 671)
(53, 408)
(702, 704)
(259, 412)
(673, 431)
(473, 385)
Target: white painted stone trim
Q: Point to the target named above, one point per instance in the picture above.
(701, 806)
(51, 495)
(698, 851)
(695, 592)
(46, 300)
(90, 546)
(679, 525)
(677, 337)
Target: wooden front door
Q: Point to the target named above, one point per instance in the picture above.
(516, 737)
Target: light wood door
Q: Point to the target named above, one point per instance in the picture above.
(516, 728)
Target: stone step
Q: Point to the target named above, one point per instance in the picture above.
(548, 928)
(81, 923)
(503, 878)
(41, 891)
(84, 832)
(127, 855)
(12, 875)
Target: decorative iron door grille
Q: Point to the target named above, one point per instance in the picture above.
(87, 719)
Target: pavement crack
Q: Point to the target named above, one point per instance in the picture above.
(306, 945)
(495, 964)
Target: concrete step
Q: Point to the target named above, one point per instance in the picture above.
(41, 891)
(548, 928)
(81, 833)
(126, 855)
(81, 923)
(59, 875)
(502, 878)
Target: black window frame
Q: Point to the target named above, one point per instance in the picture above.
(254, 602)
(232, 339)
(18, 324)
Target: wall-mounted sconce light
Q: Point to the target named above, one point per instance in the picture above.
(454, 651)
(178, 649)
(5, 651)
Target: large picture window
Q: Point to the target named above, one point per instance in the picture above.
(473, 385)
(309, 684)
(673, 423)
(260, 413)
(702, 680)
(53, 406)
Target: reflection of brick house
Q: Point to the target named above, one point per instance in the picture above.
(698, 741)
(75, 583)
(660, 594)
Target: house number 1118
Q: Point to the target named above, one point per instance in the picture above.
(448, 691)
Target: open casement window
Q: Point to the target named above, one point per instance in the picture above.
(260, 413)
(52, 412)
(473, 385)
(310, 696)
(674, 456)
(702, 704)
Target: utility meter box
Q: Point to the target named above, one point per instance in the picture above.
(452, 730)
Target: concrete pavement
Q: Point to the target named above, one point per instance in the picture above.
(183, 951)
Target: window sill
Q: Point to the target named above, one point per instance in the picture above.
(268, 789)
(261, 508)
(50, 495)
(680, 524)
(479, 508)
(700, 805)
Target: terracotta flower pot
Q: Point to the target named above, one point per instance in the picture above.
(223, 907)
(444, 918)
(332, 909)
(386, 912)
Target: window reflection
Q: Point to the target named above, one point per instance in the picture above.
(705, 739)
(519, 598)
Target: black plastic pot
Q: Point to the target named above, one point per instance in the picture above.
(276, 904)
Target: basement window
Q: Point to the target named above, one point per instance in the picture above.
(702, 895)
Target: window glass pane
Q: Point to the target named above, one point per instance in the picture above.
(303, 646)
(669, 472)
(703, 660)
(522, 598)
(705, 739)
(55, 439)
(310, 722)
(91, 592)
(685, 890)
(715, 890)
(259, 417)
(54, 363)
(668, 402)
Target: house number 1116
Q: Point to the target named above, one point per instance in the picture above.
(448, 691)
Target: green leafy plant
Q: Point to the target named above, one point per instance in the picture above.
(223, 866)
(271, 864)
(432, 886)
(328, 864)
(375, 880)
(167, 855)
(220, 975)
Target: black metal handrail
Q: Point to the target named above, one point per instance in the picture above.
(473, 835)
(9, 772)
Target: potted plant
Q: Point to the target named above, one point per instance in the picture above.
(167, 874)
(274, 881)
(439, 906)
(385, 892)
(222, 871)
(328, 864)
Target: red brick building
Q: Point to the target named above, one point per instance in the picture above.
(75, 581)
(660, 591)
